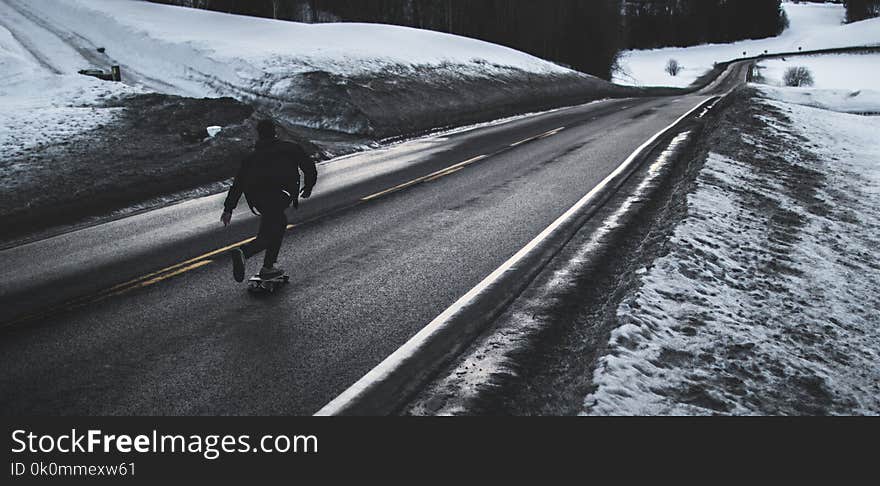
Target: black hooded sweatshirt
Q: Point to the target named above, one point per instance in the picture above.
(269, 177)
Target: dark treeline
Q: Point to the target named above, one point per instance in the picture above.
(584, 34)
(861, 9)
(660, 23)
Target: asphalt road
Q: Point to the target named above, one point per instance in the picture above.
(368, 272)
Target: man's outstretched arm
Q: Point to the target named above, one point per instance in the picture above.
(234, 195)
(307, 165)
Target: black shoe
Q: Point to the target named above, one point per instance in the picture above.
(238, 265)
(271, 273)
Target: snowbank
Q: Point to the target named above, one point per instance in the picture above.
(187, 47)
(369, 79)
(767, 302)
(813, 26)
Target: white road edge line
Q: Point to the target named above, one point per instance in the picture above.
(385, 368)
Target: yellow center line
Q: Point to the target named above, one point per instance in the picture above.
(429, 177)
(142, 281)
(445, 173)
(166, 276)
(190, 263)
(393, 189)
(538, 137)
(112, 292)
(551, 133)
(178, 265)
(469, 161)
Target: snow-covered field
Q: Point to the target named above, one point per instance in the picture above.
(812, 27)
(836, 71)
(842, 82)
(858, 101)
(769, 300)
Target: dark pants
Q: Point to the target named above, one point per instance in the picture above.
(273, 224)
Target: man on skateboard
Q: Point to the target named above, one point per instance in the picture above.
(269, 180)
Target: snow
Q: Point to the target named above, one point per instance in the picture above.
(202, 53)
(860, 101)
(812, 26)
(41, 107)
(842, 82)
(834, 71)
(768, 300)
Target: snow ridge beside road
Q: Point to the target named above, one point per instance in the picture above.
(768, 300)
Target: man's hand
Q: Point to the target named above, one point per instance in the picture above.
(306, 193)
(226, 218)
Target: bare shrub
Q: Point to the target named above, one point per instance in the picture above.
(798, 76)
(673, 67)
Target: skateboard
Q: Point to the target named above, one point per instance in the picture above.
(259, 285)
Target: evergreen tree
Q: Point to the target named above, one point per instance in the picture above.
(660, 23)
(857, 10)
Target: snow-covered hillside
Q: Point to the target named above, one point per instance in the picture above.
(362, 79)
(812, 26)
(201, 53)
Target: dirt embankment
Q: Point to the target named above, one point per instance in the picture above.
(139, 156)
(413, 101)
